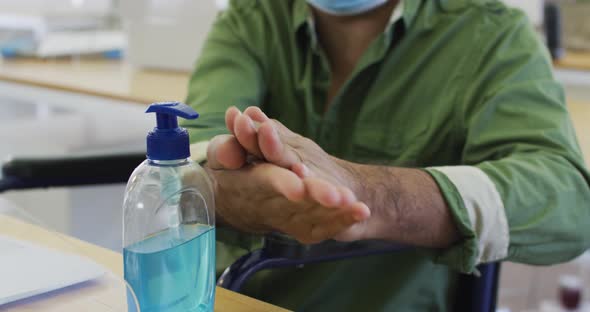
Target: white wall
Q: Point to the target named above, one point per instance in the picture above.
(533, 8)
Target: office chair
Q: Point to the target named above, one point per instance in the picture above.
(278, 251)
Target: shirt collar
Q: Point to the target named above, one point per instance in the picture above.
(396, 15)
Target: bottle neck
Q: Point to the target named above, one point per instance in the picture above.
(168, 163)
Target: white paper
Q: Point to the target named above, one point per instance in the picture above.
(27, 269)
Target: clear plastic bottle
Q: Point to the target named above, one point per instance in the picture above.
(169, 222)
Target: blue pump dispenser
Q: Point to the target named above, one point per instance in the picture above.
(169, 222)
(168, 141)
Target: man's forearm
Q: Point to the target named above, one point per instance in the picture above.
(406, 205)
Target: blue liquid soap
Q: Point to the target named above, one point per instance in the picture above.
(173, 270)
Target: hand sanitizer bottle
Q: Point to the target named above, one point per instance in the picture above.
(169, 222)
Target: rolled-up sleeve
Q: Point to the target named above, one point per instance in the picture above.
(522, 192)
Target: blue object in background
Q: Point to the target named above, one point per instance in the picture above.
(8, 52)
(15, 46)
(113, 54)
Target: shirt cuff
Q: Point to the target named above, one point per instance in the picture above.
(199, 151)
(479, 214)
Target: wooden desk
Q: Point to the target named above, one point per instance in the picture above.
(580, 114)
(574, 60)
(119, 80)
(107, 78)
(80, 298)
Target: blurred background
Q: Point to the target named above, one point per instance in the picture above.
(76, 75)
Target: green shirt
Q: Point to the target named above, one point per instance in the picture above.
(462, 84)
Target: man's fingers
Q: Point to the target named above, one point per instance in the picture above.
(361, 211)
(256, 114)
(283, 182)
(301, 170)
(331, 229)
(352, 233)
(230, 154)
(245, 132)
(346, 225)
(225, 152)
(322, 192)
(329, 195)
(262, 137)
(274, 147)
(334, 223)
(347, 197)
(230, 117)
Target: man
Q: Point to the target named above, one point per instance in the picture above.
(431, 123)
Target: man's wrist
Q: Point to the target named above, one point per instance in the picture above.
(349, 176)
(375, 186)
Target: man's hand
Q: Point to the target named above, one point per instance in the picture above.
(263, 197)
(328, 204)
(406, 204)
(256, 135)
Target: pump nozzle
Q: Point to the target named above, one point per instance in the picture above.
(168, 141)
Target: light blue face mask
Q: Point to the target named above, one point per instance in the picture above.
(346, 7)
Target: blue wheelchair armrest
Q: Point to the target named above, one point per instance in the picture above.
(281, 250)
(474, 293)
